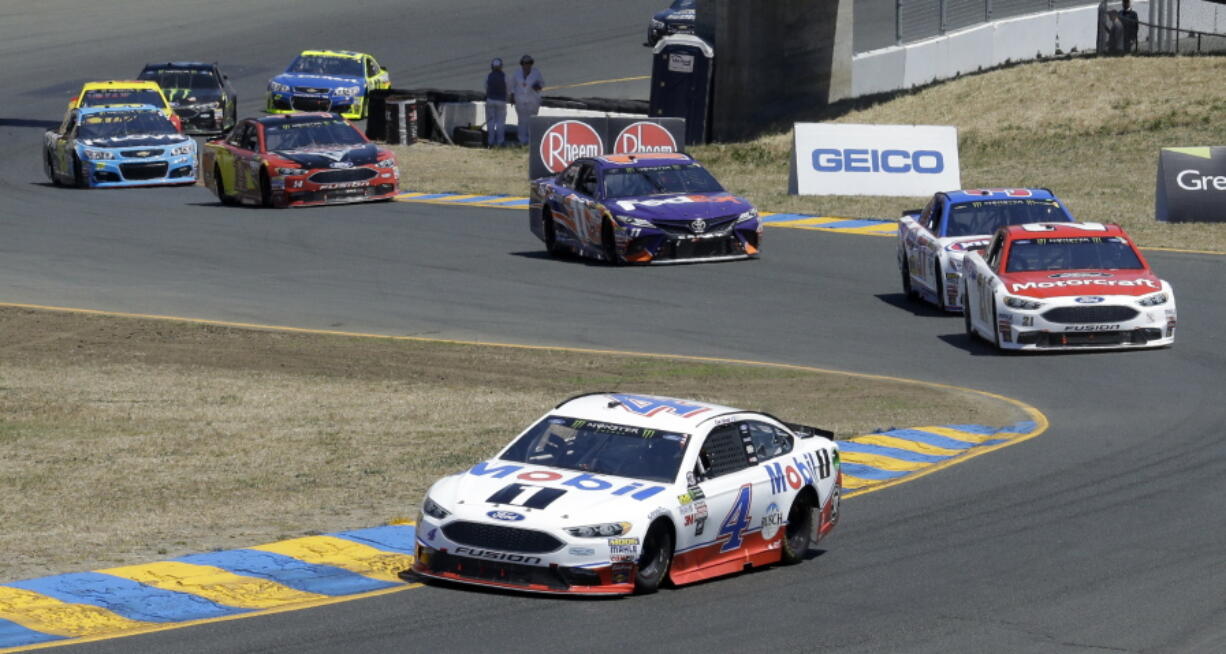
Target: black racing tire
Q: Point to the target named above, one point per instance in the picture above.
(220, 181)
(49, 168)
(966, 313)
(80, 176)
(905, 271)
(265, 189)
(655, 559)
(551, 233)
(607, 243)
(940, 284)
(469, 137)
(798, 532)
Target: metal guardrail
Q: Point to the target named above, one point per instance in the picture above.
(915, 20)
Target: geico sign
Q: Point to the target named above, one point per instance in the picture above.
(852, 160)
(1192, 180)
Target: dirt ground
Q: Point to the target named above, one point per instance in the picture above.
(125, 440)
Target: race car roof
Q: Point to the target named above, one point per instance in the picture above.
(988, 195)
(1063, 230)
(332, 53)
(654, 411)
(121, 84)
(301, 117)
(643, 159)
(109, 108)
(184, 65)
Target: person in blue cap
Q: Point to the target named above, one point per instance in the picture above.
(496, 104)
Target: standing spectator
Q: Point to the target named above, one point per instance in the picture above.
(526, 87)
(1129, 18)
(496, 104)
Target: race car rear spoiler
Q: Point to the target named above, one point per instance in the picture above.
(805, 431)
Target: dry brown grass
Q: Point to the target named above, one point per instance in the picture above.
(125, 440)
(1088, 128)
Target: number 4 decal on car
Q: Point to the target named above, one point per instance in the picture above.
(737, 520)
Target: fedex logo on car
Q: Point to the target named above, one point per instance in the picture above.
(583, 481)
(629, 205)
(861, 160)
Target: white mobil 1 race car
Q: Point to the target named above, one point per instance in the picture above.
(932, 242)
(613, 493)
(1063, 286)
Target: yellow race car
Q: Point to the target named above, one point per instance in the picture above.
(115, 92)
(327, 80)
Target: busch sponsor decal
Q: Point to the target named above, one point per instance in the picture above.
(1026, 286)
(644, 136)
(772, 521)
(568, 140)
(583, 481)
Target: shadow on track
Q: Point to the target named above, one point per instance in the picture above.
(916, 307)
(26, 122)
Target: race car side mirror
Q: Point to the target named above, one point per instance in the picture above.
(914, 213)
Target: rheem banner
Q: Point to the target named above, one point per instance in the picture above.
(559, 140)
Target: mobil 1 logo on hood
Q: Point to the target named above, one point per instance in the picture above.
(1191, 185)
(558, 140)
(896, 160)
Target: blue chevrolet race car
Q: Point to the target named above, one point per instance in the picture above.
(932, 242)
(125, 145)
(327, 80)
(642, 208)
(677, 19)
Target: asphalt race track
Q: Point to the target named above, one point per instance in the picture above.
(1105, 533)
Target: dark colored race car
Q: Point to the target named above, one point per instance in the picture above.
(298, 160)
(642, 208)
(677, 19)
(199, 93)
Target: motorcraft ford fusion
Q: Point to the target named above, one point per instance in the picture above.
(642, 208)
(327, 80)
(933, 242)
(1057, 286)
(118, 146)
(298, 160)
(615, 493)
(199, 92)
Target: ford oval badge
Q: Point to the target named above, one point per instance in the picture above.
(508, 516)
(1089, 299)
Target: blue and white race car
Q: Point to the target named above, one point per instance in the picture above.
(130, 145)
(933, 242)
(642, 208)
(677, 19)
(338, 81)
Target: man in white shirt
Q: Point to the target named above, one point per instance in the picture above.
(526, 85)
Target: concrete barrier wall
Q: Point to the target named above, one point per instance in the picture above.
(976, 48)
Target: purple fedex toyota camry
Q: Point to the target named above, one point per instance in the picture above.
(642, 208)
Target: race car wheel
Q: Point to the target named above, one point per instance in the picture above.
(221, 187)
(265, 189)
(657, 555)
(936, 275)
(608, 244)
(907, 291)
(49, 168)
(798, 532)
(551, 233)
(80, 176)
(966, 313)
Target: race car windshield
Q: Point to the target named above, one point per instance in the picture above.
(180, 79)
(601, 448)
(659, 180)
(101, 98)
(683, 4)
(980, 218)
(316, 134)
(1077, 253)
(317, 65)
(118, 125)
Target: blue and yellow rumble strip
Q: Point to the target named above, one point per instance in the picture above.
(791, 220)
(315, 570)
(874, 461)
(132, 599)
